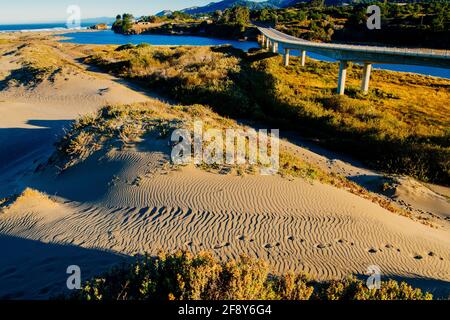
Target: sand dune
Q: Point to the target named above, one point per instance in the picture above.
(295, 225)
(127, 202)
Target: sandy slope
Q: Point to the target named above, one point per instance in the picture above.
(32, 119)
(129, 202)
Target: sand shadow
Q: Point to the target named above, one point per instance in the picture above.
(18, 143)
(35, 270)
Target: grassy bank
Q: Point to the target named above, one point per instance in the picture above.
(401, 126)
(182, 276)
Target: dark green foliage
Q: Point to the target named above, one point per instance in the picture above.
(123, 23)
(182, 276)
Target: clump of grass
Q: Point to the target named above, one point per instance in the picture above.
(399, 127)
(183, 276)
(24, 197)
(123, 125)
(190, 74)
(125, 47)
(38, 63)
(127, 125)
(354, 289)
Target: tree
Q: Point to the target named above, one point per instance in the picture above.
(127, 22)
(317, 3)
(123, 23)
(217, 15)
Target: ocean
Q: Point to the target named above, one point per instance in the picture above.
(42, 26)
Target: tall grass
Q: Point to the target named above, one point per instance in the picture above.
(402, 126)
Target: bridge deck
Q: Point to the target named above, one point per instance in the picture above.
(363, 53)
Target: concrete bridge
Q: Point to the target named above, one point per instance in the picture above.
(366, 55)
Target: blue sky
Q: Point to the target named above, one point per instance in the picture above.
(22, 11)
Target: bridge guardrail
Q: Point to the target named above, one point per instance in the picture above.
(283, 38)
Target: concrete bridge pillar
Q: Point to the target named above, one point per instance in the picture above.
(287, 53)
(366, 77)
(263, 40)
(342, 77)
(275, 47)
(303, 58)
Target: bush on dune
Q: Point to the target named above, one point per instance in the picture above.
(397, 127)
(183, 276)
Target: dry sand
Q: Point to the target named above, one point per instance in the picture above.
(125, 202)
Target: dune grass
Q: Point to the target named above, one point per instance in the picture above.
(122, 126)
(402, 126)
(183, 276)
(39, 62)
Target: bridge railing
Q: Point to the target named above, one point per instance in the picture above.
(283, 38)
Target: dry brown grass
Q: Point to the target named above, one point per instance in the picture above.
(401, 126)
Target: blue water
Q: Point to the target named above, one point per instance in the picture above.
(39, 27)
(428, 71)
(109, 37)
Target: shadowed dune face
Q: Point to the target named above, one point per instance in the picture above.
(18, 143)
(35, 270)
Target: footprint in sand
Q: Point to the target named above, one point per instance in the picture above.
(103, 91)
(418, 257)
(373, 250)
(272, 245)
(245, 238)
(193, 244)
(291, 238)
(323, 245)
(220, 246)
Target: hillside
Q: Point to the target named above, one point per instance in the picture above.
(273, 4)
(222, 5)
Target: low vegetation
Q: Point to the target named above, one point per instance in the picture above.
(38, 63)
(23, 197)
(183, 276)
(126, 126)
(400, 127)
(411, 23)
(417, 23)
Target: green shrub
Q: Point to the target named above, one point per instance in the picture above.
(353, 289)
(127, 46)
(183, 276)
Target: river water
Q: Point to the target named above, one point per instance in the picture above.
(109, 37)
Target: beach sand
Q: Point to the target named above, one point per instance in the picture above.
(123, 202)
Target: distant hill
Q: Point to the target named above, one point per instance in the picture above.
(225, 4)
(275, 4)
(164, 13)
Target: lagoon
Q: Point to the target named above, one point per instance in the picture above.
(109, 37)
